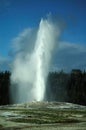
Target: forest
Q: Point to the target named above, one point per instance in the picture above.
(60, 86)
(67, 87)
(4, 87)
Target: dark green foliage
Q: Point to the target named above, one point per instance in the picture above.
(56, 86)
(4, 87)
(60, 86)
(77, 87)
(66, 87)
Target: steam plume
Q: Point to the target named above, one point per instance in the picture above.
(30, 68)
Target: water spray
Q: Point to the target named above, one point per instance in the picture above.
(30, 70)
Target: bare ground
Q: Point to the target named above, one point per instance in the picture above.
(43, 116)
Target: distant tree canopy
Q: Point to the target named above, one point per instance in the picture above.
(60, 86)
(4, 87)
(76, 88)
(56, 86)
(67, 87)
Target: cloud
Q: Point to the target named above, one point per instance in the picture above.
(69, 56)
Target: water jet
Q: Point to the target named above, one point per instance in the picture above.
(30, 69)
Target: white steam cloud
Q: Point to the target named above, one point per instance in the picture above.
(30, 66)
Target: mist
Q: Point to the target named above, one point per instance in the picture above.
(31, 63)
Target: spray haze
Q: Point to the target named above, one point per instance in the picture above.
(30, 68)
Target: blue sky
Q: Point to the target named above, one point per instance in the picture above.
(17, 15)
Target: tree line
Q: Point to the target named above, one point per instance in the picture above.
(67, 87)
(4, 87)
(60, 86)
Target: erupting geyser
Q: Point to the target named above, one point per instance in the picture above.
(30, 69)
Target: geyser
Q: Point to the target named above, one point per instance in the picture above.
(30, 68)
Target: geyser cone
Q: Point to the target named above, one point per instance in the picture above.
(30, 73)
